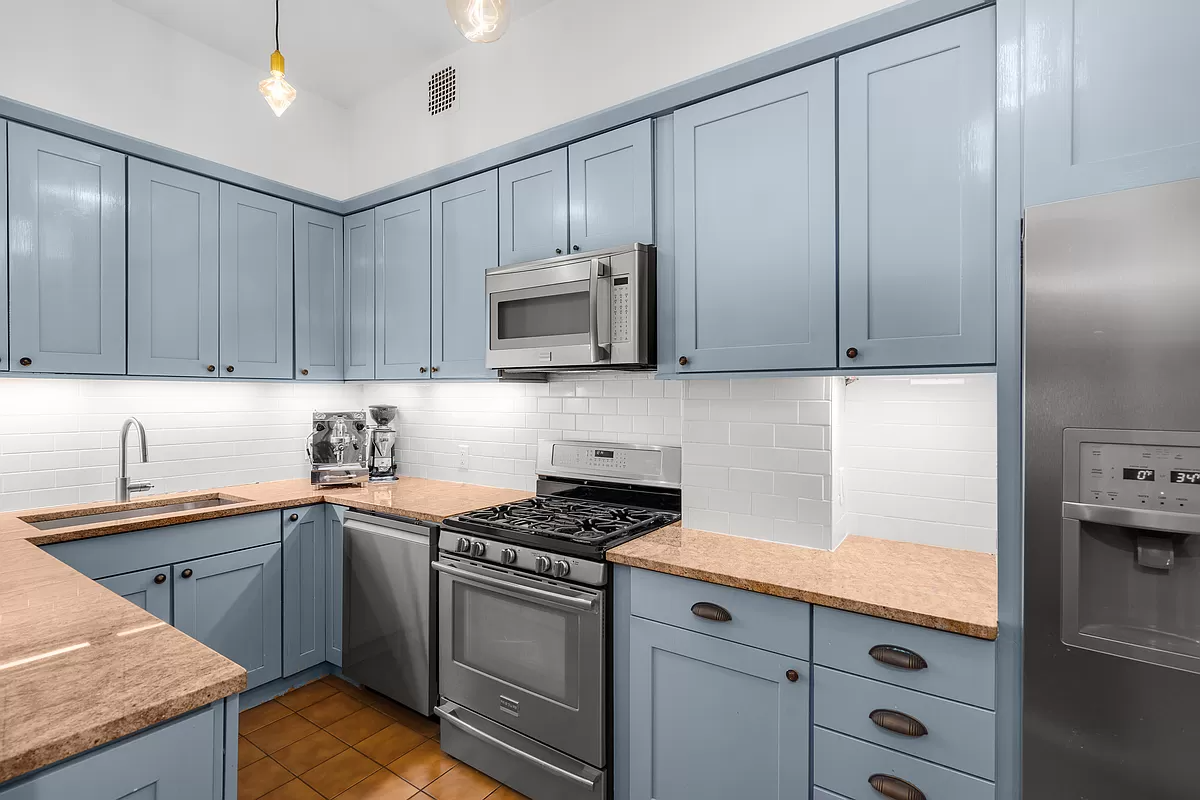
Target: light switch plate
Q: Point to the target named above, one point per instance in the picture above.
(463, 456)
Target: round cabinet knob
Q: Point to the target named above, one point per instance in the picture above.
(294, 517)
(464, 545)
(229, 368)
(561, 569)
(303, 372)
(212, 368)
(792, 675)
(187, 573)
(424, 370)
(25, 362)
(508, 556)
(683, 361)
(576, 248)
(851, 352)
(433, 369)
(479, 549)
(160, 578)
(558, 251)
(542, 564)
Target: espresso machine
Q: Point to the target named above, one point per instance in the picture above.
(337, 448)
(382, 461)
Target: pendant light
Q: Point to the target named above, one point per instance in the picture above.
(277, 91)
(479, 20)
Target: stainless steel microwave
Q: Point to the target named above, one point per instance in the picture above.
(579, 311)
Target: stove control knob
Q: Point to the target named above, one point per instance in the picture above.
(478, 549)
(542, 564)
(508, 556)
(463, 546)
(561, 569)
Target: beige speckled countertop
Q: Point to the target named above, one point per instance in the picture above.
(80, 666)
(935, 587)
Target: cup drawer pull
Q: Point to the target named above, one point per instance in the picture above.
(895, 788)
(898, 722)
(711, 612)
(900, 657)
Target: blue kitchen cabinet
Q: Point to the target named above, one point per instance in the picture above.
(533, 208)
(174, 270)
(66, 267)
(755, 200)
(4, 246)
(711, 719)
(917, 198)
(232, 603)
(319, 304)
(402, 309)
(305, 549)
(360, 295)
(149, 589)
(334, 566)
(465, 241)
(256, 285)
(611, 179)
(1110, 90)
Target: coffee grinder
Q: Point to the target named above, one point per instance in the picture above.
(382, 461)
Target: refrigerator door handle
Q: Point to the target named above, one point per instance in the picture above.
(1142, 518)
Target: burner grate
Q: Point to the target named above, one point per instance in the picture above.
(573, 520)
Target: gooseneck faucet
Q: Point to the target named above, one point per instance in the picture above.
(124, 487)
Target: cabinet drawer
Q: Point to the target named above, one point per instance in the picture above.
(958, 736)
(958, 667)
(845, 765)
(758, 620)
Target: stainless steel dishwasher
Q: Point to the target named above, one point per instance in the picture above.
(389, 613)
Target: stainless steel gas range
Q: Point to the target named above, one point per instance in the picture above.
(525, 616)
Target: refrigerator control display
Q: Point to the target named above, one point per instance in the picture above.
(1140, 474)
(1185, 476)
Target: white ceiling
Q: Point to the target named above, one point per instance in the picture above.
(339, 49)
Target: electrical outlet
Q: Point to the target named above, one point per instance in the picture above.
(463, 456)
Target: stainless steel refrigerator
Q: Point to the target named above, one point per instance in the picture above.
(1112, 497)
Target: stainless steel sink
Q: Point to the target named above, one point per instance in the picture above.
(131, 513)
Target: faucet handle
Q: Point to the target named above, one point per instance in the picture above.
(140, 486)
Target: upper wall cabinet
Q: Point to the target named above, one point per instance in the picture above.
(256, 284)
(464, 247)
(66, 208)
(755, 227)
(917, 221)
(360, 296)
(402, 288)
(611, 180)
(533, 209)
(174, 267)
(4, 245)
(1110, 96)
(319, 304)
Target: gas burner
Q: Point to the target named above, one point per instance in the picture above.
(581, 521)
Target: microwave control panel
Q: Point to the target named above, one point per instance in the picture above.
(622, 313)
(1166, 477)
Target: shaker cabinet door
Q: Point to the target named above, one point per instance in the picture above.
(319, 304)
(756, 227)
(66, 269)
(465, 243)
(711, 719)
(3, 246)
(612, 188)
(149, 589)
(233, 604)
(360, 296)
(917, 221)
(334, 565)
(533, 208)
(402, 288)
(1113, 100)
(305, 547)
(174, 268)
(256, 285)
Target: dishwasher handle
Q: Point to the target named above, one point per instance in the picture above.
(541, 595)
(396, 530)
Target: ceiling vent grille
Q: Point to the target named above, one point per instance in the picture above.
(442, 91)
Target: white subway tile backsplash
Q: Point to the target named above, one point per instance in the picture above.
(755, 434)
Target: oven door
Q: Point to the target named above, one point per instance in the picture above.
(526, 652)
(550, 316)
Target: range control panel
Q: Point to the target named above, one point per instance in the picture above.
(1166, 477)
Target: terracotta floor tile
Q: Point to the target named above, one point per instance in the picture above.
(358, 693)
(359, 725)
(304, 696)
(248, 753)
(462, 783)
(390, 743)
(331, 709)
(281, 733)
(314, 749)
(259, 778)
(383, 785)
(260, 716)
(423, 765)
(339, 773)
(505, 793)
(294, 789)
(405, 716)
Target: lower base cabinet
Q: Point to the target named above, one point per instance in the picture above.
(149, 589)
(335, 516)
(711, 719)
(305, 578)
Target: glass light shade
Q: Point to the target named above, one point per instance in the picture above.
(277, 91)
(480, 20)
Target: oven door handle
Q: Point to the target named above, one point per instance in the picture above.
(471, 730)
(543, 595)
(599, 270)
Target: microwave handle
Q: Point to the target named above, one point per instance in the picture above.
(599, 270)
